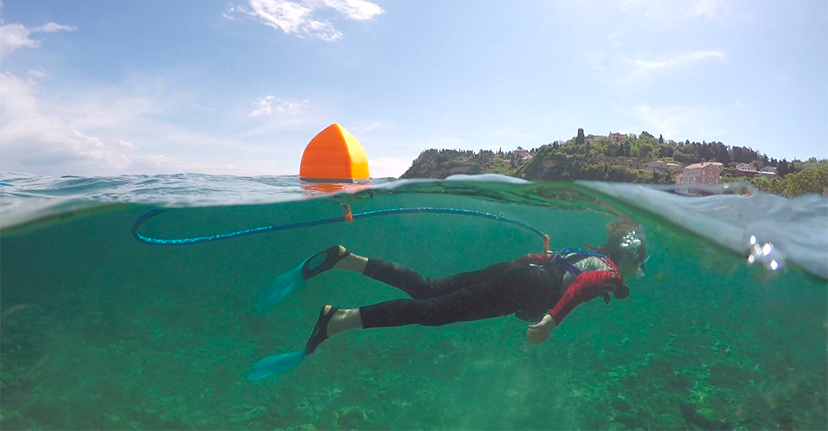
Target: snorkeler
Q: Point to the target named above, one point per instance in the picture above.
(541, 288)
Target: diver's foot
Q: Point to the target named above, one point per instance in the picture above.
(320, 331)
(323, 261)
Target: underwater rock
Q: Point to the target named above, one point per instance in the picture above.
(351, 420)
(692, 417)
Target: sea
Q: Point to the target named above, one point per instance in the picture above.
(130, 303)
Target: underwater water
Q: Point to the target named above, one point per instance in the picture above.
(102, 331)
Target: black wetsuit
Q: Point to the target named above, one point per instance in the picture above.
(501, 289)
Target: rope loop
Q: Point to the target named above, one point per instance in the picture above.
(347, 217)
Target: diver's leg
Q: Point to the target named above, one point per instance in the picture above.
(386, 272)
(335, 256)
(473, 303)
(459, 306)
(352, 262)
(499, 297)
(419, 287)
(393, 274)
(324, 260)
(332, 321)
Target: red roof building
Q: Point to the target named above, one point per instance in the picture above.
(702, 173)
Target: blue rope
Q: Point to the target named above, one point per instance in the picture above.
(571, 250)
(184, 241)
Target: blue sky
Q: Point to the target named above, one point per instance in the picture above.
(106, 88)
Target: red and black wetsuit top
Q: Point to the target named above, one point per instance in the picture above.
(585, 276)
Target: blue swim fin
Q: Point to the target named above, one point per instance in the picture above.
(293, 280)
(276, 364)
(280, 288)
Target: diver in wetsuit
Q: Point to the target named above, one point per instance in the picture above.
(542, 288)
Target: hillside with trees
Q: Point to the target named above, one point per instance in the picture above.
(590, 157)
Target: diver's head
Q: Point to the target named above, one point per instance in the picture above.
(626, 247)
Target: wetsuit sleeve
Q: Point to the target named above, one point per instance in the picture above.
(587, 285)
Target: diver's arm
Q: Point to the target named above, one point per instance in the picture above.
(588, 285)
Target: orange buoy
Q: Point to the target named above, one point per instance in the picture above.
(334, 155)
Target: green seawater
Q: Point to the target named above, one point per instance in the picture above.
(101, 331)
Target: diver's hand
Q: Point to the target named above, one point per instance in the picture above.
(539, 333)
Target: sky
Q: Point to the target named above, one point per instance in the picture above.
(101, 88)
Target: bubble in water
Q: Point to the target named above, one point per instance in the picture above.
(765, 253)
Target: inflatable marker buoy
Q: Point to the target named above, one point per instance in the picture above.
(334, 155)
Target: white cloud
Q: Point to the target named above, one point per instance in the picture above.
(121, 128)
(52, 27)
(37, 73)
(110, 131)
(300, 17)
(359, 10)
(14, 36)
(264, 106)
(30, 136)
(646, 67)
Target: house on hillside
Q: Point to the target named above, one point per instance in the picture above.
(522, 154)
(617, 138)
(592, 138)
(748, 171)
(707, 173)
(661, 166)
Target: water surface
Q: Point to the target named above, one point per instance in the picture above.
(101, 331)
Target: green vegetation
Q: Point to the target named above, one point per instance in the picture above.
(442, 163)
(814, 179)
(589, 157)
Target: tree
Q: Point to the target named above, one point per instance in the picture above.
(722, 154)
(665, 151)
(804, 182)
(624, 150)
(767, 184)
(645, 150)
(782, 168)
(580, 139)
